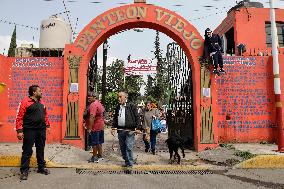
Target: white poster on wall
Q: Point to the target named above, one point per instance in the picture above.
(206, 92)
(74, 87)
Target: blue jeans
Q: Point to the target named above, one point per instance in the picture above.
(153, 140)
(126, 143)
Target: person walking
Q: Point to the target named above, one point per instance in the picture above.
(31, 124)
(95, 126)
(125, 121)
(150, 135)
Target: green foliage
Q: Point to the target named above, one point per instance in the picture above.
(115, 74)
(133, 84)
(13, 44)
(111, 101)
(157, 87)
(228, 146)
(152, 99)
(115, 83)
(244, 154)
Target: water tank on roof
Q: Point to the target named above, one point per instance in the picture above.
(246, 3)
(54, 33)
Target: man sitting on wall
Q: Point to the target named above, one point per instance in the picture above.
(213, 49)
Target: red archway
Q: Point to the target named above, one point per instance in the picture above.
(78, 55)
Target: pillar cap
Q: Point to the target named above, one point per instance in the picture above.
(139, 1)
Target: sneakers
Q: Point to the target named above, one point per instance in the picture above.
(43, 171)
(146, 150)
(215, 71)
(153, 151)
(222, 71)
(95, 159)
(100, 157)
(24, 176)
(127, 166)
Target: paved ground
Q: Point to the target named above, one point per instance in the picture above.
(67, 154)
(220, 158)
(72, 178)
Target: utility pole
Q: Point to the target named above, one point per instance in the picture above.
(96, 71)
(277, 89)
(105, 47)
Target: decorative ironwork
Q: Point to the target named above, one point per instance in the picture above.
(73, 100)
(206, 130)
(74, 61)
(180, 102)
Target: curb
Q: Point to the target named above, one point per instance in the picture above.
(263, 161)
(14, 161)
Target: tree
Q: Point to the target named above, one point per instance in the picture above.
(115, 74)
(115, 80)
(149, 86)
(13, 44)
(156, 87)
(133, 84)
(111, 101)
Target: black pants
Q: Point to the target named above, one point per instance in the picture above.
(217, 59)
(31, 137)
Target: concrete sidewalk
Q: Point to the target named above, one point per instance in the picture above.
(60, 155)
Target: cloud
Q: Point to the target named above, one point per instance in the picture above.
(110, 59)
(5, 43)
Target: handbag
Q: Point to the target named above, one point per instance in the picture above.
(156, 124)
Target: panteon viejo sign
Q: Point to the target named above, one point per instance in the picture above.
(143, 13)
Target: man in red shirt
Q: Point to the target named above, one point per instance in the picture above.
(95, 126)
(31, 123)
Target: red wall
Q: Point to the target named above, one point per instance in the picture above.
(249, 25)
(19, 74)
(245, 107)
(7, 132)
(246, 102)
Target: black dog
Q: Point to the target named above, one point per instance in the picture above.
(175, 142)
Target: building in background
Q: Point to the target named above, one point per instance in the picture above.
(247, 25)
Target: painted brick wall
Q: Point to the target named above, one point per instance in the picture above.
(19, 74)
(246, 110)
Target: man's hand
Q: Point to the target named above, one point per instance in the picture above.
(48, 130)
(138, 131)
(112, 132)
(89, 130)
(20, 136)
(84, 125)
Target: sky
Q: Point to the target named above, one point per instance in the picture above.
(30, 13)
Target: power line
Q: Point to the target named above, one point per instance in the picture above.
(61, 13)
(16, 24)
(224, 9)
(68, 17)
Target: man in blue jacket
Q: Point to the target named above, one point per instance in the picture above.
(126, 120)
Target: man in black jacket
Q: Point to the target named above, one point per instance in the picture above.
(213, 48)
(126, 120)
(31, 124)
